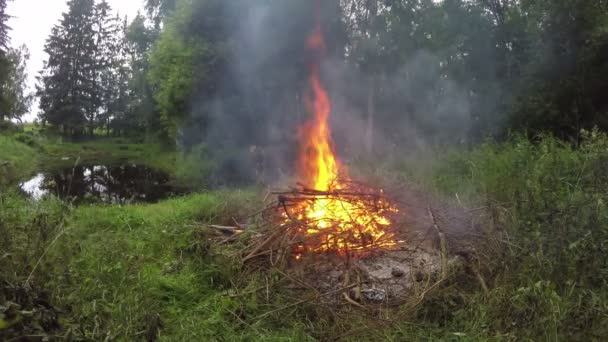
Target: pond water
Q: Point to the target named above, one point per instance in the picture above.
(128, 183)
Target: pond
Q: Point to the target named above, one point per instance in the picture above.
(116, 184)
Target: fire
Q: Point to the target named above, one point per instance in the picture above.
(335, 213)
(318, 163)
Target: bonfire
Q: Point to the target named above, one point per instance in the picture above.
(340, 237)
(327, 211)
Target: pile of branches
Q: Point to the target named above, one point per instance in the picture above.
(338, 282)
(354, 222)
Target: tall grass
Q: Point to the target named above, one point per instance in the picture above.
(16, 159)
(552, 196)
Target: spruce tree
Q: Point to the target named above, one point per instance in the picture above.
(67, 87)
(4, 39)
(140, 38)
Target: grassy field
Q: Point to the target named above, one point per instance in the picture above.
(148, 271)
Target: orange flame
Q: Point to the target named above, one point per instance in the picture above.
(337, 223)
(319, 166)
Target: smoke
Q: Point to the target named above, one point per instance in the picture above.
(414, 108)
(250, 127)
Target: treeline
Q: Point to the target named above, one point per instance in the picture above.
(234, 72)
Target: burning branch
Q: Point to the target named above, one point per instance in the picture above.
(343, 221)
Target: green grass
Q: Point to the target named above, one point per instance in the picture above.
(21, 154)
(124, 273)
(549, 200)
(131, 272)
(16, 159)
(110, 151)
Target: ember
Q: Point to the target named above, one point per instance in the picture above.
(341, 220)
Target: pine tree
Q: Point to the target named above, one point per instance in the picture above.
(116, 77)
(67, 88)
(103, 71)
(143, 112)
(4, 39)
(159, 10)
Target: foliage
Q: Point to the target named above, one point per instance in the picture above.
(26, 139)
(84, 80)
(158, 10)
(27, 230)
(562, 86)
(150, 268)
(149, 275)
(4, 38)
(14, 99)
(217, 84)
(551, 200)
(451, 71)
(14, 102)
(175, 67)
(143, 112)
(195, 168)
(225, 78)
(16, 159)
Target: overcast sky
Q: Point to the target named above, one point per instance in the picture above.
(32, 22)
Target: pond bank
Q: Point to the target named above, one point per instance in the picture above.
(16, 160)
(119, 183)
(19, 161)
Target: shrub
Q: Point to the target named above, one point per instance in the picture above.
(8, 127)
(555, 202)
(26, 139)
(194, 168)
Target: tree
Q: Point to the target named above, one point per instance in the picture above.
(143, 113)
(108, 71)
(82, 85)
(563, 85)
(15, 101)
(120, 116)
(4, 39)
(159, 10)
(184, 61)
(67, 84)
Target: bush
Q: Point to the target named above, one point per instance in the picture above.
(553, 196)
(195, 167)
(16, 160)
(27, 139)
(8, 127)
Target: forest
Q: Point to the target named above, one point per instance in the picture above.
(307, 170)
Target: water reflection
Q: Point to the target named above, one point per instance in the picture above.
(98, 183)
